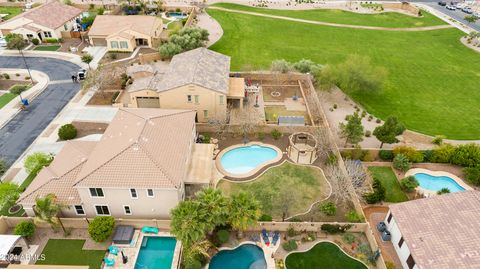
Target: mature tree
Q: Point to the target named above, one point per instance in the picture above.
(188, 223)
(101, 228)
(47, 210)
(244, 211)
(324, 142)
(184, 40)
(388, 132)
(9, 194)
(87, 58)
(342, 190)
(214, 205)
(352, 131)
(471, 19)
(36, 161)
(357, 174)
(286, 198)
(16, 41)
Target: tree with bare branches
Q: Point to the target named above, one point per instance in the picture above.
(341, 185)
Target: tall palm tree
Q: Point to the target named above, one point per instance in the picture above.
(214, 205)
(47, 210)
(188, 223)
(244, 212)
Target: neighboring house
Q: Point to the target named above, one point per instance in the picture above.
(46, 21)
(140, 168)
(125, 33)
(197, 80)
(440, 232)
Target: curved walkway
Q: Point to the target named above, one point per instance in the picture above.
(415, 29)
(212, 26)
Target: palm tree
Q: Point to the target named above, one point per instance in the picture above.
(188, 223)
(214, 205)
(47, 210)
(196, 251)
(244, 211)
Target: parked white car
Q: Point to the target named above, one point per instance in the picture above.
(3, 42)
(450, 7)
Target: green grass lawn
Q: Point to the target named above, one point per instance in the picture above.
(387, 19)
(394, 193)
(322, 256)
(432, 78)
(298, 186)
(69, 252)
(273, 112)
(6, 98)
(11, 11)
(175, 26)
(47, 47)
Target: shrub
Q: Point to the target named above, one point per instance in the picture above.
(291, 231)
(101, 228)
(335, 228)
(378, 120)
(412, 154)
(3, 166)
(353, 216)
(281, 66)
(385, 155)
(443, 153)
(51, 40)
(378, 193)
(331, 159)
(390, 265)
(25, 228)
(409, 184)
(438, 139)
(206, 138)
(27, 77)
(113, 56)
(348, 238)
(17, 74)
(276, 134)
(261, 136)
(35, 41)
(265, 217)
(18, 89)
(6, 76)
(67, 132)
(223, 236)
(401, 162)
(36, 161)
(466, 155)
(427, 155)
(290, 245)
(368, 133)
(472, 175)
(114, 96)
(328, 208)
(443, 191)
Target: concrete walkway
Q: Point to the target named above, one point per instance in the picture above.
(212, 26)
(414, 29)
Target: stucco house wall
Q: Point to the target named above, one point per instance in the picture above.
(403, 252)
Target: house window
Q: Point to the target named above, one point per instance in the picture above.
(189, 98)
(221, 99)
(123, 44)
(410, 262)
(389, 217)
(114, 44)
(96, 192)
(79, 210)
(102, 210)
(205, 113)
(127, 210)
(150, 193)
(400, 243)
(47, 34)
(196, 99)
(133, 193)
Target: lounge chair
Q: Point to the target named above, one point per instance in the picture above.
(150, 230)
(265, 237)
(113, 250)
(276, 236)
(109, 262)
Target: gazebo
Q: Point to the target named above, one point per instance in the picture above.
(302, 148)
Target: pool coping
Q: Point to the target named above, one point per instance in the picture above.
(219, 166)
(428, 193)
(241, 244)
(176, 252)
(323, 240)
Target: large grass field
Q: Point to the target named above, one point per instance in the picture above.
(70, 252)
(387, 19)
(295, 185)
(11, 11)
(394, 193)
(323, 255)
(432, 81)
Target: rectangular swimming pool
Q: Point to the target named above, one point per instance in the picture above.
(156, 252)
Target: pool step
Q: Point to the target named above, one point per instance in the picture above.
(144, 241)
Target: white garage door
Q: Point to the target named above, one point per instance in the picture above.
(148, 102)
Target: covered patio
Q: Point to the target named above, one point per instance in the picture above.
(12, 248)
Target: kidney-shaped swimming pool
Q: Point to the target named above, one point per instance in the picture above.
(245, 159)
(246, 256)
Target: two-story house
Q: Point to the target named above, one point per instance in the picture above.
(138, 169)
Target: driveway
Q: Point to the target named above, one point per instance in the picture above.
(20, 132)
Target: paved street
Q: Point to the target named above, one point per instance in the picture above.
(456, 14)
(17, 135)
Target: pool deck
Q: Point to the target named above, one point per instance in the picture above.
(246, 176)
(132, 251)
(429, 193)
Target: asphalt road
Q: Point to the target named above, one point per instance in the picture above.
(456, 14)
(18, 134)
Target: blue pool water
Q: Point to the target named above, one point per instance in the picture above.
(246, 256)
(436, 183)
(177, 15)
(156, 253)
(245, 159)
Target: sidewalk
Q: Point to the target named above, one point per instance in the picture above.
(459, 25)
(13, 107)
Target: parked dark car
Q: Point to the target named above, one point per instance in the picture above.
(442, 3)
